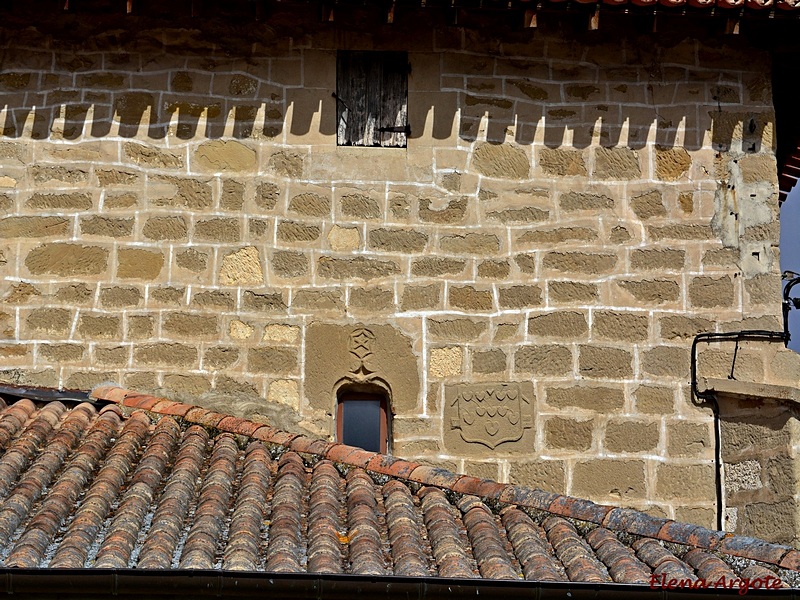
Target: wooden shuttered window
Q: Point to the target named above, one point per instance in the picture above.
(372, 99)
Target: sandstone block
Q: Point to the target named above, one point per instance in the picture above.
(709, 292)
(120, 297)
(286, 164)
(685, 482)
(290, 231)
(189, 325)
(151, 156)
(360, 206)
(224, 155)
(494, 269)
(649, 205)
(519, 296)
(169, 296)
(220, 357)
(547, 475)
(470, 243)
(313, 300)
(688, 439)
(761, 289)
(79, 293)
(604, 362)
(192, 259)
(193, 385)
(616, 163)
(489, 361)
(56, 321)
(757, 168)
(460, 330)
(180, 191)
(267, 303)
(453, 212)
(585, 201)
(672, 163)
(67, 260)
(624, 435)
(108, 177)
(501, 161)
(145, 382)
(543, 360)
(88, 379)
(267, 194)
(311, 205)
(355, 268)
(218, 230)
(284, 391)
(32, 227)
(528, 214)
(397, 240)
(289, 264)
(166, 228)
(679, 327)
(371, 299)
(651, 291)
(445, 362)
(232, 196)
(658, 259)
(580, 262)
(115, 356)
(137, 263)
(681, 231)
(140, 327)
(68, 201)
(90, 326)
(121, 201)
(609, 479)
(562, 325)
(572, 292)
(165, 354)
(562, 163)
(436, 267)
(106, 226)
(470, 298)
(242, 267)
(344, 239)
(568, 434)
(239, 330)
(420, 297)
(281, 334)
(621, 326)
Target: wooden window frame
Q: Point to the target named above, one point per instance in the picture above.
(348, 393)
(372, 99)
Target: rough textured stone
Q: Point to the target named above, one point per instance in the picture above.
(220, 357)
(68, 201)
(78, 293)
(656, 291)
(232, 196)
(568, 434)
(445, 362)
(50, 320)
(672, 163)
(286, 164)
(622, 326)
(519, 296)
(311, 205)
(192, 259)
(489, 361)
(281, 334)
(470, 243)
(120, 297)
(605, 362)
(92, 326)
(453, 212)
(106, 226)
(31, 227)
(543, 360)
(709, 292)
(224, 155)
(242, 267)
(616, 163)
(166, 228)
(579, 262)
(397, 240)
(371, 299)
(420, 297)
(470, 298)
(165, 354)
(328, 361)
(271, 360)
(562, 163)
(290, 231)
(648, 205)
(189, 325)
(152, 157)
(685, 482)
(616, 480)
(547, 237)
(289, 264)
(218, 230)
(688, 439)
(267, 194)
(560, 325)
(435, 267)
(67, 260)
(658, 259)
(355, 268)
(169, 296)
(461, 330)
(572, 291)
(585, 201)
(600, 399)
(344, 239)
(140, 327)
(680, 327)
(494, 269)
(624, 436)
(137, 263)
(268, 303)
(360, 206)
(501, 161)
(313, 300)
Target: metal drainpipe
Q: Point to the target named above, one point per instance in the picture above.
(709, 396)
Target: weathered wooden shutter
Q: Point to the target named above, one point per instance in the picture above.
(372, 99)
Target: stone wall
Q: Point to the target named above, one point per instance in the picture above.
(570, 211)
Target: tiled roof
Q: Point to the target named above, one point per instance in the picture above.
(151, 484)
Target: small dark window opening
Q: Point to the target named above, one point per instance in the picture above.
(362, 418)
(372, 99)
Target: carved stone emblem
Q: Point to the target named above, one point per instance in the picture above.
(360, 346)
(490, 414)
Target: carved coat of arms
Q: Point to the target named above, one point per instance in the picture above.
(491, 415)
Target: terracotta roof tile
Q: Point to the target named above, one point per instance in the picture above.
(127, 492)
